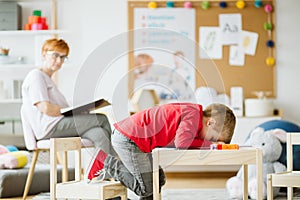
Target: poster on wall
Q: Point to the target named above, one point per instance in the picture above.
(164, 50)
(231, 27)
(210, 45)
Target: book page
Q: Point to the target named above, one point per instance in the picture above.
(84, 108)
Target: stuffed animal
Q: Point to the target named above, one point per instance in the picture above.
(288, 127)
(270, 143)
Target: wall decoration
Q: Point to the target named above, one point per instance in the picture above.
(215, 72)
(240, 4)
(188, 4)
(170, 4)
(248, 41)
(236, 56)
(152, 5)
(168, 66)
(205, 5)
(230, 26)
(223, 4)
(210, 44)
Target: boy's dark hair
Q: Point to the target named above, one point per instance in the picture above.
(225, 120)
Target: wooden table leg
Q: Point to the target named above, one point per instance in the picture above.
(156, 194)
(259, 173)
(245, 169)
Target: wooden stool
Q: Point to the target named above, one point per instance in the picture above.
(78, 189)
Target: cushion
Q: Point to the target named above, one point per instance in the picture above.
(12, 181)
(3, 149)
(288, 127)
(14, 160)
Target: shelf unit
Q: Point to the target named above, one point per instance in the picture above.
(22, 43)
(53, 9)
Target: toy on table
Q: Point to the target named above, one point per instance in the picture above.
(224, 146)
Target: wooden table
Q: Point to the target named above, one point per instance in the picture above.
(244, 156)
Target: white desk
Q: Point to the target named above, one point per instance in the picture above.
(172, 157)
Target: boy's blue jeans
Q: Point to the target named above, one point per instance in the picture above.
(133, 168)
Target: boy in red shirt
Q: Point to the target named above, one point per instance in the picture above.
(179, 125)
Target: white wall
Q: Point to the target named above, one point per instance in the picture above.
(288, 65)
(93, 22)
(94, 25)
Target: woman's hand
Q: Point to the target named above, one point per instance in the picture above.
(48, 108)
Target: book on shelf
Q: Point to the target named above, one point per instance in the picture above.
(85, 107)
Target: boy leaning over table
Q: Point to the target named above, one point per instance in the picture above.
(180, 125)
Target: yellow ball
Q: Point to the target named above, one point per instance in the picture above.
(240, 4)
(270, 61)
(152, 5)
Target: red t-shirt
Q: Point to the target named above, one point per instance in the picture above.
(171, 125)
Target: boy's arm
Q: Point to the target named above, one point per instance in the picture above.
(187, 132)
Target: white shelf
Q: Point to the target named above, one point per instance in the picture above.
(24, 0)
(15, 71)
(31, 33)
(4, 67)
(5, 101)
(16, 66)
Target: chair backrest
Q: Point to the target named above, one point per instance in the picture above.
(292, 139)
(63, 145)
(29, 136)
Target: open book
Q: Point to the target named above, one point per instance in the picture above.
(84, 108)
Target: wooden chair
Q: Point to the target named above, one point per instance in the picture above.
(289, 178)
(36, 146)
(78, 189)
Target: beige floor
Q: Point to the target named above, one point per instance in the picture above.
(186, 180)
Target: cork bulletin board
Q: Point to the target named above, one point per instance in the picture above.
(255, 74)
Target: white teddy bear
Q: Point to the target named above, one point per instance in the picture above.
(269, 142)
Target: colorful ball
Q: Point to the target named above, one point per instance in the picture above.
(268, 26)
(188, 4)
(270, 43)
(170, 4)
(268, 8)
(223, 4)
(240, 4)
(270, 61)
(152, 5)
(205, 5)
(258, 3)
